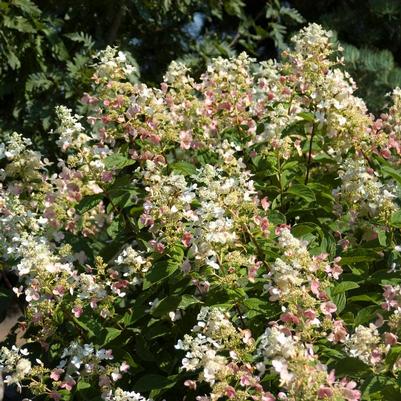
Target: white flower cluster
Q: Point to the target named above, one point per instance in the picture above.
(13, 364)
(291, 270)
(203, 348)
(89, 288)
(71, 132)
(15, 221)
(277, 347)
(275, 342)
(177, 75)
(120, 395)
(363, 191)
(23, 163)
(211, 321)
(311, 40)
(16, 144)
(36, 256)
(220, 197)
(132, 264)
(230, 75)
(170, 213)
(112, 59)
(202, 353)
(170, 194)
(75, 355)
(364, 343)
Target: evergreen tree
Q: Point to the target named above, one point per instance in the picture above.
(370, 34)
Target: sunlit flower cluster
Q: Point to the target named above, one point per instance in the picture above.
(261, 198)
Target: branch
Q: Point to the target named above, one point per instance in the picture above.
(115, 26)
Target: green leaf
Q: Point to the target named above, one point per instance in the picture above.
(183, 168)
(188, 300)
(352, 367)
(393, 355)
(84, 326)
(166, 305)
(115, 228)
(377, 387)
(151, 382)
(82, 385)
(88, 202)
(366, 298)
(143, 351)
(84, 391)
(310, 117)
(395, 219)
(276, 217)
(366, 315)
(122, 197)
(344, 286)
(256, 304)
(359, 255)
(117, 161)
(392, 172)
(321, 191)
(382, 237)
(159, 272)
(340, 300)
(108, 335)
(27, 6)
(300, 230)
(302, 191)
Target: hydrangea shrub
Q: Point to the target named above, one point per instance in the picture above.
(228, 238)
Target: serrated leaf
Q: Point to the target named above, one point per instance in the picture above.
(352, 367)
(302, 191)
(359, 256)
(159, 272)
(392, 173)
(183, 168)
(84, 326)
(310, 117)
(166, 305)
(395, 219)
(117, 161)
(300, 230)
(188, 300)
(88, 202)
(82, 385)
(344, 286)
(108, 335)
(340, 300)
(366, 315)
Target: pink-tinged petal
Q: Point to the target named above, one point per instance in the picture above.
(230, 392)
(324, 392)
(390, 339)
(289, 318)
(186, 239)
(56, 374)
(328, 308)
(310, 314)
(265, 203)
(77, 311)
(268, 397)
(351, 395)
(314, 287)
(380, 321)
(190, 384)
